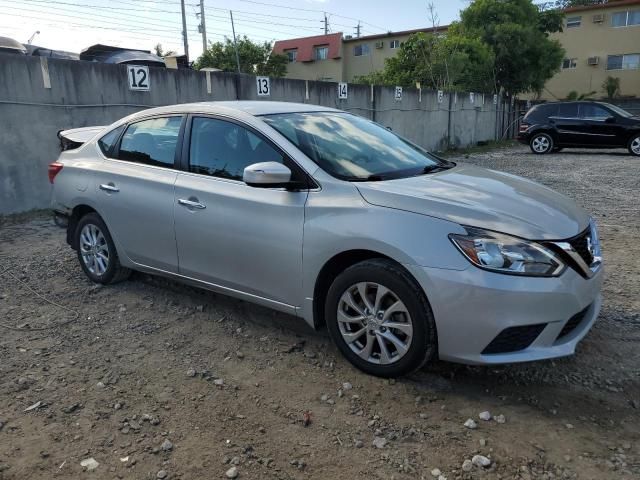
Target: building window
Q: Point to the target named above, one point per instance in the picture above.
(569, 63)
(573, 22)
(292, 55)
(630, 61)
(625, 19)
(322, 52)
(394, 44)
(361, 50)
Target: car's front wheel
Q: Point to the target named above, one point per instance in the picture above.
(380, 319)
(541, 143)
(97, 252)
(634, 146)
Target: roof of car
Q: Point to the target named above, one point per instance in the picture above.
(252, 107)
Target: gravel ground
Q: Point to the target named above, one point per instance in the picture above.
(152, 379)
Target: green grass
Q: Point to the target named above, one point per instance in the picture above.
(485, 147)
(24, 217)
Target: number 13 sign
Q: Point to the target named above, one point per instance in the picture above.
(138, 77)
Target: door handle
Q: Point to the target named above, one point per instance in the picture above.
(191, 203)
(109, 187)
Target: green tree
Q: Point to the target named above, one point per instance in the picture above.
(160, 51)
(255, 58)
(612, 87)
(516, 31)
(438, 62)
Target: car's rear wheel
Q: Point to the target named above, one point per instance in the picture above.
(97, 252)
(380, 319)
(634, 146)
(541, 143)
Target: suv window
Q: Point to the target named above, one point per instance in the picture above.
(151, 142)
(591, 111)
(568, 110)
(223, 149)
(546, 111)
(107, 142)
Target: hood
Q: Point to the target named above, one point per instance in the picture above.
(483, 198)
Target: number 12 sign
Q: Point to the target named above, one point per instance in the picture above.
(138, 77)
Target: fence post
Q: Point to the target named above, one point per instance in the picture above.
(373, 103)
(449, 119)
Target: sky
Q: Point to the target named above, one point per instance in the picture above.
(73, 25)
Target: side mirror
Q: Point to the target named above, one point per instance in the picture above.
(611, 119)
(266, 175)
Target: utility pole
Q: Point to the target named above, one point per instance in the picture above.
(203, 27)
(184, 32)
(326, 24)
(235, 43)
(358, 30)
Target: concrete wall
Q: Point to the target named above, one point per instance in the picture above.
(84, 94)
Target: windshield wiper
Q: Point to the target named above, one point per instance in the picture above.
(435, 168)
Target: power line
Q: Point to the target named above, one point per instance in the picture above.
(120, 22)
(311, 10)
(101, 7)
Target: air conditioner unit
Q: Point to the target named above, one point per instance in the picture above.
(379, 45)
(593, 60)
(598, 18)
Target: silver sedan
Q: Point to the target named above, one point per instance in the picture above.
(315, 212)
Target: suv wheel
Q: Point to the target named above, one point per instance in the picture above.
(634, 146)
(380, 319)
(97, 252)
(541, 143)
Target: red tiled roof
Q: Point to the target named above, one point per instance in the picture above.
(598, 6)
(305, 46)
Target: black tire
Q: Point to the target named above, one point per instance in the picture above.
(541, 143)
(634, 144)
(114, 272)
(423, 345)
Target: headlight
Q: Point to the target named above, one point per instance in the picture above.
(506, 254)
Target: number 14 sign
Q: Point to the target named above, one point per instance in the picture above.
(138, 77)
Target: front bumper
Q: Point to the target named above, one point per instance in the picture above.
(472, 307)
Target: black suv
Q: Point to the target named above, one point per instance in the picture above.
(549, 127)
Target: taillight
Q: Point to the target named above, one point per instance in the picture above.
(54, 169)
(524, 127)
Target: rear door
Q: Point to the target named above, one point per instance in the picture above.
(232, 235)
(567, 124)
(135, 187)
(600, 126)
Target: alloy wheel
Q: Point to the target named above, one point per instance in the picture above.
(635, 146)
(374, 323)
(94, 249)
(540, 144)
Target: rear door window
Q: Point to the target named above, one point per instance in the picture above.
(568, 110)
(151, 142)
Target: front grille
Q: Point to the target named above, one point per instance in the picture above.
(513, 339)
(580, 244)
(573, 323)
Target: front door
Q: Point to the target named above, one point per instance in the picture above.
(600, 126)
(134, 186)
(232, 235)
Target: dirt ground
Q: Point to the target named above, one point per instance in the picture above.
(153, 379)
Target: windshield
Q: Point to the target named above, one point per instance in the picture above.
(618, 110)
(353, 148)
